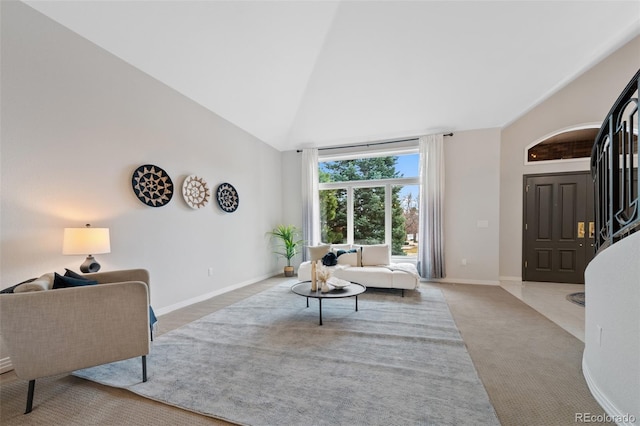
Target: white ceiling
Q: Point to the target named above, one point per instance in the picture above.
(321, 73)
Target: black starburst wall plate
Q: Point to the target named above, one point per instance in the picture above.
(227, 197)
(152, 185)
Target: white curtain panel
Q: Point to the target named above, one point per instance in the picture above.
(431, 241)
(310, 199)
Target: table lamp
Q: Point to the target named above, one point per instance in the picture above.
(87, 241)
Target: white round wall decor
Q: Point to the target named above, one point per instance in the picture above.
(227, 197)
(195, 192)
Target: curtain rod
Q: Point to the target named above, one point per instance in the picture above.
(370, 144)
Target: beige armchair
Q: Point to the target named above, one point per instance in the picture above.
(51, 332)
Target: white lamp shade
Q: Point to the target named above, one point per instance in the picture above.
(318, 252)
(86, 241)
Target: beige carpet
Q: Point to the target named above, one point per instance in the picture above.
(530, 367)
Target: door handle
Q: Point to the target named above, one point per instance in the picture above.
(580, 229)
(592, 230)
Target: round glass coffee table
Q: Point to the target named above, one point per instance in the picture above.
(304, 289)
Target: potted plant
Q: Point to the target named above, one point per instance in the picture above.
(289, 244)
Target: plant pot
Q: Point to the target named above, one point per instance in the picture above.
(288, 271)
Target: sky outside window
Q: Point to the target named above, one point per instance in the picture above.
(409, 166)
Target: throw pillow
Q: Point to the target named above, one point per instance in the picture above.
(13, 287)
(28, 287)
(61, 281)
(358, 250)
(348, 258)
(330, 259)
(152, 317)
(72, 274)
(45, 282)
(336, 247)
(375, 255)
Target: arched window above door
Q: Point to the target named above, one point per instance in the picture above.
(570, 144)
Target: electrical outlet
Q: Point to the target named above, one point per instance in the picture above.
(210, 272)
(463, 262)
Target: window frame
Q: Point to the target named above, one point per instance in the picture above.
(584, 160)
(388, 184)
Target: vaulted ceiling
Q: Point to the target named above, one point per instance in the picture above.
(321, 73)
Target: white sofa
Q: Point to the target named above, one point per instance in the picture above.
(369, 265)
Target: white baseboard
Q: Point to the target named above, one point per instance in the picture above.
(206, 296)
(510, 278)
(5, 365)
(464, 281)
(609, 407)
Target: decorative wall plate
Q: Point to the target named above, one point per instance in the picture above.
(152, 185)
(195, 191)
(227, 197)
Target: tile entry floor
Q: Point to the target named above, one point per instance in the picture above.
(550, 299)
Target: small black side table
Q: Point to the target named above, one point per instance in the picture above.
(304, 289)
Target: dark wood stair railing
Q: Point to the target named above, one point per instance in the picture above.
(614, 168)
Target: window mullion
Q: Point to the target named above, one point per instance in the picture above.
(350, 221)
(369, 183)
(387, 214)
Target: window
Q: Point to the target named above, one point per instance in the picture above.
(371, 200)
(333, 215)
(369, 215)
(563, 146)
(409, 196)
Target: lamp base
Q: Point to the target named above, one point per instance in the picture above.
(90, 265)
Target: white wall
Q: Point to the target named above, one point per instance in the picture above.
(586, 100)
(611, 361)
(471, 213)
(76, 122)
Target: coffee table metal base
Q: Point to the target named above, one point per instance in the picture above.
(304, 289)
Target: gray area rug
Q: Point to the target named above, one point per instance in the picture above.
(266, 361)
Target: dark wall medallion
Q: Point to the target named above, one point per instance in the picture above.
(227, 197)
(152, 185)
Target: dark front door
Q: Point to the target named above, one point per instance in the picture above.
(558, 227)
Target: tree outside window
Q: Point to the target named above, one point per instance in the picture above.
(369, 203)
